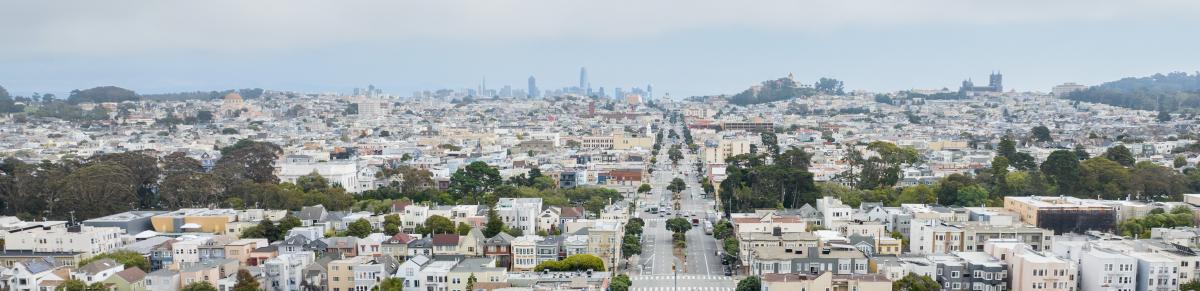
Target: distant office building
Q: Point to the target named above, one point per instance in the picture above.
(649, 92)
(533, 89)
(1062, 90)
(583, 80)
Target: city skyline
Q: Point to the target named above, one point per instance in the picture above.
(705, 48)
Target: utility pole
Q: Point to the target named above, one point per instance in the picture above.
(676, 273)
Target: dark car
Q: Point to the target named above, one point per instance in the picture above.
(728, 271)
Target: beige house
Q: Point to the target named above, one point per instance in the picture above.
(1033, 270)
(341, 273)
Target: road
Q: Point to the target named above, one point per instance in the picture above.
(703, 270)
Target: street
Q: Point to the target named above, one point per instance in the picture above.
(703, 270)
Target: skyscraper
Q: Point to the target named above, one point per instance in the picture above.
(583, 80)
(649, 92)
(533, 89)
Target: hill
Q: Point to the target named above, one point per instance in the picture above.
(784, 89)
(102, 94)
(1172, 92)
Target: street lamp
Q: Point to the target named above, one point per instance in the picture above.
(676, 273)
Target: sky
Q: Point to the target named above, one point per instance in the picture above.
(685, 48)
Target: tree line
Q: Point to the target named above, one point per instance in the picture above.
(1113, 175)
(109, 183)
(1176, 91)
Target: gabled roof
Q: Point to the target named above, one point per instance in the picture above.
(341, 242)
(501, 239)
(421, 243)
(398, 206)
(445, 239)
(99, 266)
(572, 212)
(399, 238)
(316, 212)
(132, 274)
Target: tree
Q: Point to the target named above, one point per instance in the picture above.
(391, 284)
(771, 141)
(1193, 285)
(1000, 176)
(630, 245)
(265, 229)
(248, 160)
(71, 285)
(1041, 133)
(474, 180)
(1104, 177)
(102, 95)
(359, 228)
(494, 225)
(199, 286)
(829, 86)
(677, 185)
(1062, 168)
(919, 194)
(245, 281)
(1163, 116)
(913, 282)
(722, 229)
(436, 224)
(1180, 162)
(634, 226)
(1157, 183)
(731, 246)
(462, 229)
(1081, 152)
(644, 188)
(620, 283)
(578, 262)
(471, 282)
(972, 196)
(391, 224)
(127, 258)
(1121, 155)
(752, 283)
(99, 188)
(947, 188)
(678, 225)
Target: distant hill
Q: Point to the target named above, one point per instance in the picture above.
(1172, 92)
(784, 89)
(102, 94)
(248, 93)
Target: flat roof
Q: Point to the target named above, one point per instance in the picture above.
(125, 216)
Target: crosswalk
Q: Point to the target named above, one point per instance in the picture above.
(681, 277)
(681, 288)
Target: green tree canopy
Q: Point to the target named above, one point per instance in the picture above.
(199, 286)
(359, 228)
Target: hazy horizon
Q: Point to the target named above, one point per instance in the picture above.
(682, 48)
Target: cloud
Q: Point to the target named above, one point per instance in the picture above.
(91, 28)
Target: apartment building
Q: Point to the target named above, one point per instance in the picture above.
(520, 213)
(1033, 270)
(1062, 214)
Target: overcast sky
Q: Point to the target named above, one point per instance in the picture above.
(694, 47)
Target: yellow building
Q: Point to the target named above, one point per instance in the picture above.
(194, 220)
(623, 142)
(341, 273)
